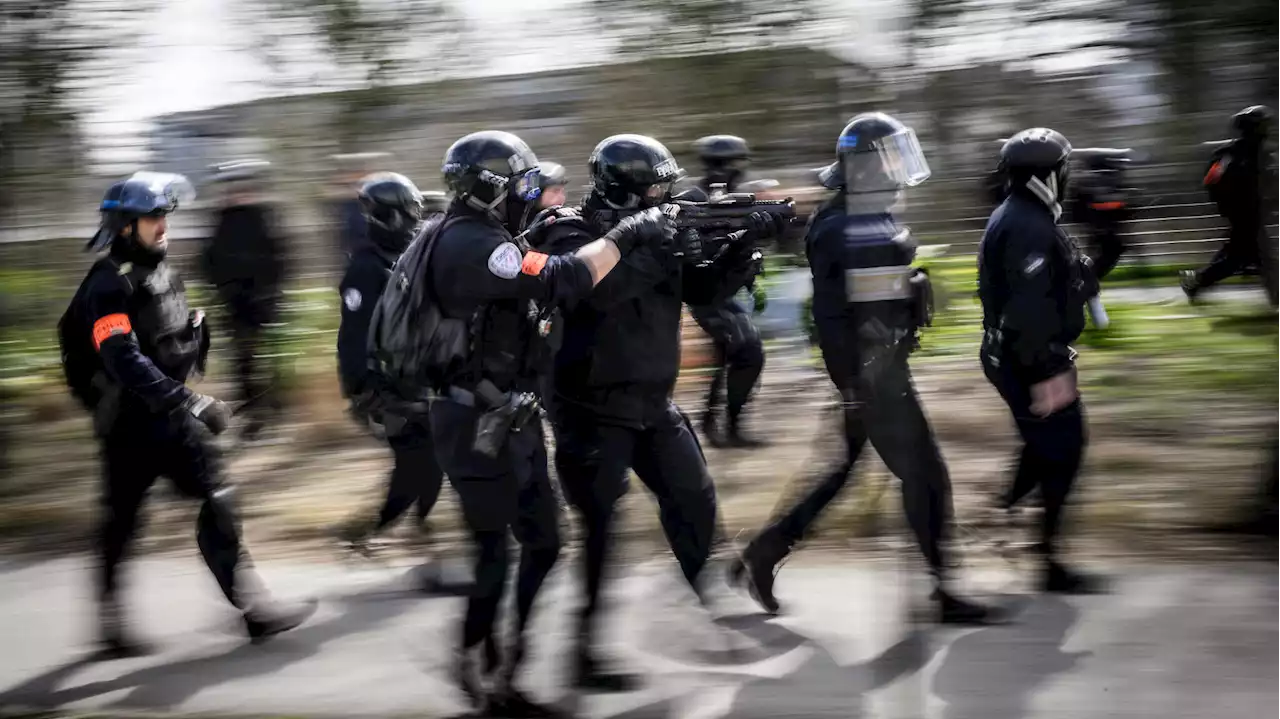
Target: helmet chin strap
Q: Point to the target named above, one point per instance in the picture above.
(1047, 192)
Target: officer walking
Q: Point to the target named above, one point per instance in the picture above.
(1102, 204)
(1034, 284)
(393, 208)
(1238, 180)
(738, 350)
(245, 259)
(488, 280)
(129, 343)
(868, 305)
(614, 374)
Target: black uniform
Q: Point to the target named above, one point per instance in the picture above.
(480, 275)
(416, 477)
(865, 345)
(136, 310)
(868, 303)
(612, 408)
(245, 260)
(1235, 182)
(1034, 289)
(739, 351)
(1102, 204)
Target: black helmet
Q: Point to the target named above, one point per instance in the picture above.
(1041, 154)
(876, 153)
(724, 158)
(1253, 121)
(393, 207)
(552, 174)
(152, 194)
(495, 172)
(722, 147)
(630, 171)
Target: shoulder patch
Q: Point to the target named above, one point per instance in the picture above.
(1033, 264)
(505, 260)
(352, 299)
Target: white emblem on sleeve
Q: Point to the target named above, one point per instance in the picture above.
(351, 298)
(1034, 263)
(504, 261)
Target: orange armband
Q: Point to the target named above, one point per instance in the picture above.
(116, 324)
(533, 263)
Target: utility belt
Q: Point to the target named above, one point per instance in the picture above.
(502, 413)
(893, 283)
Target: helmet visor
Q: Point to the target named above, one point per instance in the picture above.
(902, 158)
(165, 192)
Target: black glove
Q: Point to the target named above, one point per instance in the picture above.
(213, 413)
(650, 227)
(761, 225)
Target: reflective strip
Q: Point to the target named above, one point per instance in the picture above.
(533, 263)
(117, 324)
(877, 284)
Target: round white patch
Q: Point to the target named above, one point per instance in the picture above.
(504, 261)
(351, 298)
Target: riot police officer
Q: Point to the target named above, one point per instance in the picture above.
(739, 351)
(129, 345)
(554, 181)
(1034, 284)
(1238, 180)
(487, 439)
(614, 374)
(245, 260)
(1102, 203)
(868, 305)
(393, 208)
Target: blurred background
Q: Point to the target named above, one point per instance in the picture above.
(1182, 400)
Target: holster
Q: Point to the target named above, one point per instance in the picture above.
(922, 298)
(501, 419)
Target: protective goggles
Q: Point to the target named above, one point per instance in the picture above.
(526, 186)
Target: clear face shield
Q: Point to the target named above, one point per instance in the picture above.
(875, 175)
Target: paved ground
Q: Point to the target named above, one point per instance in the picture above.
(1176, 642)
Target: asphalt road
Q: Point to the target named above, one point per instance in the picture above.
(1172, 643)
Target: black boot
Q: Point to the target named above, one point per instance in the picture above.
(475, 670)
(590, 674)
(757, 566)
(954, 610)
(711, 430)
(1061, 580)
(738, 438)
(1190, 284)
(115, 641)
(271, 618)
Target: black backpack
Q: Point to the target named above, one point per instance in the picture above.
(413, 347)
(81, 366)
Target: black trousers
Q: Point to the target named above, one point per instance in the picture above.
(510, 494)
(1052, 450)
(139, 449)
(1244, 247)
(416, 478)
(739, 354)
(887, 413)
(592, 461)
(254, 377)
